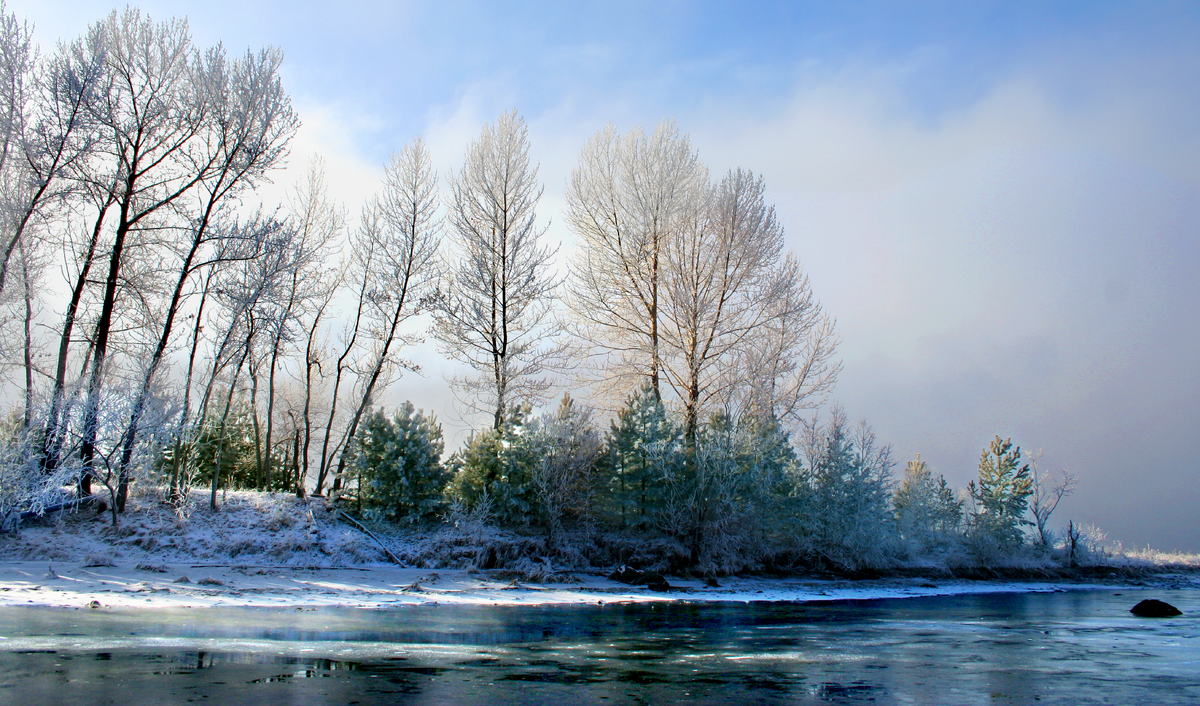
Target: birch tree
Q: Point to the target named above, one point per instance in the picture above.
(495, 315)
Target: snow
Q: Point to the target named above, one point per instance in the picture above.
(383, 585)
(275, 550)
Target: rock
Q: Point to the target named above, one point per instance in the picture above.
(633, 577)
(711, 582)
(653, 581)
(624, 574)
(1151, 608)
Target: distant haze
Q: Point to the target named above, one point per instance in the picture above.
(1000, 203)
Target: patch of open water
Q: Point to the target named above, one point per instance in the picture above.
(1071, 648)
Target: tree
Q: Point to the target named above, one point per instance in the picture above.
(495, 314)
(403, 234)
(627, 200)
(1047, 493)
(1001, 495)
(568, 451)
(496, 469)
(397, 463)
(643, 448)
(847, 484)
(927, 512)
(249, 123)
(726, 286)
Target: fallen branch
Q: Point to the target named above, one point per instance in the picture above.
(358, 525)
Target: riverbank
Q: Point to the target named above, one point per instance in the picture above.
(264, 549)
(29, 583)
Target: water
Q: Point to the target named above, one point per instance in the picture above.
(1069, 648)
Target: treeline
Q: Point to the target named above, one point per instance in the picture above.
(201, 337)
(741, 494)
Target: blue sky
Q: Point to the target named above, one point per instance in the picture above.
(999, 202)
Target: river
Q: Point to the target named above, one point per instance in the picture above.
(1079, 647)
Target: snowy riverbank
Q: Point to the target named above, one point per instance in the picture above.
(378, 586)
(265, 549)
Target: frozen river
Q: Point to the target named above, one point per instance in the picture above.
(1070, 648)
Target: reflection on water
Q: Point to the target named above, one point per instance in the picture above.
(1077, 648)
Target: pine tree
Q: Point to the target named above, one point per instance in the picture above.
(643, 445)
(1001, 495)
(927, 512)
(499, 463)
(397, 463)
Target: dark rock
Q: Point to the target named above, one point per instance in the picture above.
(1151, 608)
(633, 577)
(653, 581)
(624, 574)
(711, 582)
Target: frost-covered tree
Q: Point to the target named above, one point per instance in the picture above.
(397, 464)
(1001, 496)
(628, 199)
(726, 284)
(499, 465)
(644, 447)
(1048, 492)
(495, 314)
(846, 486)
(721, 498)
(928, 513)
(402, 232)
(568, 450)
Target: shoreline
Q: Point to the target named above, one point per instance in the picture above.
(186, 585)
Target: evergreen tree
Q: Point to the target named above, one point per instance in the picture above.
(845, 488)
(927, 513)
(643, 447)
(499, 463)
(397, 463)
(1002, 494)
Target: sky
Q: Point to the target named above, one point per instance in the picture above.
(999, 202)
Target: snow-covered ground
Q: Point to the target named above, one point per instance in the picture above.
(378, 586)
(276, 550)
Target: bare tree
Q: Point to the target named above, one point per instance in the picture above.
(250, 121)
(149, 114)
(404, 233)
(496, 309)
(320, 221)
(627, 200)
(1048, 492)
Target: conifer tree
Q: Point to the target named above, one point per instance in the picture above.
(927, 512)
(397, 462)
(1002, 494)
(643, 444)
(498, 464)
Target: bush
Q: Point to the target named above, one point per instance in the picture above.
(397, 463)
